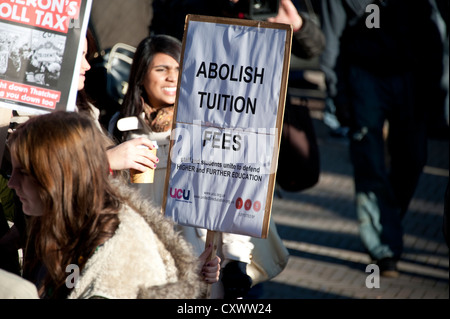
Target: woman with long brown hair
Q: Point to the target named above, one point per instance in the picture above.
(90, 235)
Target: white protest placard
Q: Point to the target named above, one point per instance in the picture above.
(41, 44)
(228, 117)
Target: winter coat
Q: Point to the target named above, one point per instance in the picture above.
(145, 258)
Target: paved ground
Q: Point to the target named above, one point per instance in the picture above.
(319, 228)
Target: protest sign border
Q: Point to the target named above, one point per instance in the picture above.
(281, 101)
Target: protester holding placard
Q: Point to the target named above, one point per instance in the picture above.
(151, 97)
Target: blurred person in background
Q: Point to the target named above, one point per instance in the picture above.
(384, 67)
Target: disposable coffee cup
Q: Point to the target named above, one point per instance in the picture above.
(148, 176)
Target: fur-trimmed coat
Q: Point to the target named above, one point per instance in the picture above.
(145, 258)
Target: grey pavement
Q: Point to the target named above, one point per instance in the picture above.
(320, 230)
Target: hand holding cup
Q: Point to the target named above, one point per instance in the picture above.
(147, 176)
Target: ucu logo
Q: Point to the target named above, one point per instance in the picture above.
(179, 193)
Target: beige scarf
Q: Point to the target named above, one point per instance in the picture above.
(160, 120)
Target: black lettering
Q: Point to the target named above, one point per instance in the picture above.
(231, 75)
(242, 100)
(227, 70)
(201, 98)
(248, 73)
(218, 101)
(212, 70)
(251, 106)
(257, 75)
(237, 141)
(231, 103)
(225, 96)
(206, 137)
(211, 104)
(215, 139)
(226, 141)
(201, 70)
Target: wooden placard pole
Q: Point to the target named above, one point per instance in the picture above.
(212, 238)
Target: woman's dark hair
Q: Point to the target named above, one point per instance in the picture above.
(143, 57)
